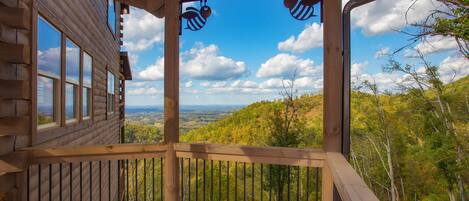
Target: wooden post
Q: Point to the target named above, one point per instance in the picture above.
(171, 98)
(327, 184)
(333, 84)
(332, 76)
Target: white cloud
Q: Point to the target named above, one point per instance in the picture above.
(433, 44)
(188, 84)
(453, 68)
(144, 91)
(300, 83)
(204, 63)
(385, 51)
(285, 65)
(387, 15)
(153, 72)
(135, 84)
(133, 59)
(142, 30)
(310, 37)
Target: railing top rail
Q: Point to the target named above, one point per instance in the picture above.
(349, 184)
(93, 153)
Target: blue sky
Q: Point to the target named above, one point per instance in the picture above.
(248, 48)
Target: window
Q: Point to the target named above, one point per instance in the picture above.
(87, 77)
(111, 15)
(110, 92)
(48, 67)
(72, 66)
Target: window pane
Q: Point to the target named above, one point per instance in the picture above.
(48, 48)
(110, 83)
(86, 102)
(111, 15)
(72, 61)
(45, 100)
(87, 69)
(70, 101)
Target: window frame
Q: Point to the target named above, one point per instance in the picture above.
(86, 86)
(110, 97)
(56, 79)
(113, 31)
(76, 84)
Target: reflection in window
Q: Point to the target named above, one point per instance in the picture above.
(45, 101)
(72, 61)
(87, 77)
(48, 64)
(70, 101)
(110, 92)
(111, 15)
(86, 102)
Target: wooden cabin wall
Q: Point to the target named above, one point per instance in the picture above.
(85, 22)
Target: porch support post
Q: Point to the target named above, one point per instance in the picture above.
(171, 98)
(333, 83)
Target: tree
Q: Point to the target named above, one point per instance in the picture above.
(446, 141)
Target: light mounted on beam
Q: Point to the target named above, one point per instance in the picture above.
(301, 9)
(196, 18)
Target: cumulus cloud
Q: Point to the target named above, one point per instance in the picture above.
(453, 68)
(286, 65)
(153, 72)
(385, 51)
(142, 30)
(188, 84)
(310, 37)
(206, 63)
(384, 15)
(433, 44)
(135, 84)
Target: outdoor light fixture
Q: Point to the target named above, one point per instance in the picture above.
(196, 18)
(125, 8)
(301, 9)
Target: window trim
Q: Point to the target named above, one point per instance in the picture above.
(110, 109)
(83, 86)
(76, 84)
(113, 32)
(57, 83)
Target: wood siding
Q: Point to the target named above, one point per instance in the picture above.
(85, 22)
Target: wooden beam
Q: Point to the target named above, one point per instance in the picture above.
(15, 17)
(13, 162)
(14, 126)
(15, 53)
(171, 98)
(327, 190)
(332, 76)
(349, 184)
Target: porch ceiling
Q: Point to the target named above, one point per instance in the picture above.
(154, 7)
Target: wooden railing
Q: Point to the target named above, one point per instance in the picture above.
(206, 172)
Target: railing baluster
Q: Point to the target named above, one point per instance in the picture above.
(145, 179)
(109, 179)
(298, 183)
(81, 181)
(60, 181)
(288, 179)
(189, 179)
(270, 182)
(28, 174)
(219, 180)
(211, 180)
(50, 182)
(203, 188)
(227, 181)
(252, 182)
(136, 179)
(91, 181)
(118, 180)
(182, 179)
(244, 181)
(153, 179)
(127, 178)
(71, 181)
(161, 178)
(39, 182)
(307, 183)
(236, 182)
(100, 178)
(196, 179)
(262, 181)
(317, 184)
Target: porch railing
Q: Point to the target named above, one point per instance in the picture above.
(206, 172)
